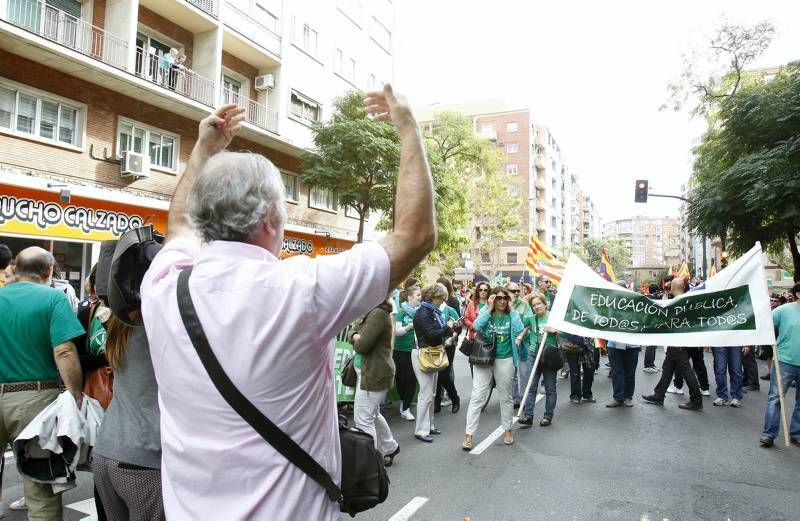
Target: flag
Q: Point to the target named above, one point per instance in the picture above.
(605, 269)
(684, 272)
(672, 271)
(731, 309)
(542, 262)
(713, 270)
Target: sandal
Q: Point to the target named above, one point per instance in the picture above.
(388, 459)
(509, 438)
(467, 445)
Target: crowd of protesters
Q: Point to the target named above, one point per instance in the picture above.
(170, 446)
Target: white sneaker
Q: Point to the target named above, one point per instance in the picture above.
(736, 403)
(674, 390)
(705, 392)
(19, 504)
(718, 402)
(542, 390)
(406, 415)
(650, 369)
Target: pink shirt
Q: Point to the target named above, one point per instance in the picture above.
(270, 324)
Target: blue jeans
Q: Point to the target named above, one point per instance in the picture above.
(549, 376)
(772, 417)
(623, 371)
(728, 360)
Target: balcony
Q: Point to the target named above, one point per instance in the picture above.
(67, 30)
(491, 135)
(539, 162)
(159, 70)
(540, 206)
(540, 226)
(255, 113)
(248, 29)
(539, 184)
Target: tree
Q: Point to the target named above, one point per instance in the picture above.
(617, 250)
(355, 157)
(746, 167)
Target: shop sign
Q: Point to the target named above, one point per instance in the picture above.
(296, 243)
(27, 211)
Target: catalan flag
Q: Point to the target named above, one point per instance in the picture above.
(605, 269)
(684, 271)
(542, 262)
(713, 270)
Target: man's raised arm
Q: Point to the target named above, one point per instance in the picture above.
(214, 134)
(414, 234)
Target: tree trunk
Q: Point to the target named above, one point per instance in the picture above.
(795, 255)
(360, 238)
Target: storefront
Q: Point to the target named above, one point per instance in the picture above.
(71, 228)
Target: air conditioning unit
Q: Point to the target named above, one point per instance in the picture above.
(267, 81)
(134, 165)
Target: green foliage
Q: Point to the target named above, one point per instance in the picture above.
(746, 168)
(617, 251)
(356, 157)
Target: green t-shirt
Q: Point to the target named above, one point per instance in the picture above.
(35, 319)
(526, 315)
(501, 325)
(787, 328)
(405, 342)
(539, 324)
(448, 313)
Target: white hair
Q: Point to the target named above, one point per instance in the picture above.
(233, 194)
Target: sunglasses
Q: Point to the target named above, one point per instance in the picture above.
(483, 289)
(501, 297)
(515, 291)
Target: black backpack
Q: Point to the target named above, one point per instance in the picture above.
(364, 479)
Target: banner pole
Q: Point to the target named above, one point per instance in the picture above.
(530, 378)
(776, 365)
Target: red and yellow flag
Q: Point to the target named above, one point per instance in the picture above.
(684, 271)
(542, 262)
(713, 270)
(605, 269)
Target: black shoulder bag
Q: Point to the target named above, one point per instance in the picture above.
(364, 480)
(484, 350)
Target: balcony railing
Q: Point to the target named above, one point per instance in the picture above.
(209, 6)
(255, 113)
(67, 30)
(247, 25)
(160, 70)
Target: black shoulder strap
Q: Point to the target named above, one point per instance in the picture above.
(273, 435)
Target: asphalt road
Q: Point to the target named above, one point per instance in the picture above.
(646, 463)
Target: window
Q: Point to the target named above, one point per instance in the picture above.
(338, 58)
(351, 70)
(292, 185)
(552, 222)
(305, 109)
(512, 169)
(39, 116)
(487, 128)
(231, 90)
(264, 17)
(162, 147)
(512, 148)
(381, 35)
(323, 199)
(513, 190)
(512, 126)
(553, 203)
(485, 257)
(310, 40)
(511, 257)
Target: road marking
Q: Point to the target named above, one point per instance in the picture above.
(405, 513)
(9, 455)
(485, 444)
(86, 506)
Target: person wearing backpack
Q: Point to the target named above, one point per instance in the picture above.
(549, 364)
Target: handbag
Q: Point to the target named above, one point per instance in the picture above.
(348, 374)
(433, 359)
(484, 350)
(467, 346)
(364, 480)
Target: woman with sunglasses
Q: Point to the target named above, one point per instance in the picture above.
(500, 320)
(479, 302)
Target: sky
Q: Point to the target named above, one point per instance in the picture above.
(596, 73)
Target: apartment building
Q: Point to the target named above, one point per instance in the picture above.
(534, 170)
(652, 241)
(100, 100)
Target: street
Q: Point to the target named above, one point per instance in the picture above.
(593, 463)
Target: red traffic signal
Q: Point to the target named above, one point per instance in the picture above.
(641, 191)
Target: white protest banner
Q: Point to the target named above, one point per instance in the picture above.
(732, 310)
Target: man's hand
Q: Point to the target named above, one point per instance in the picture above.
(746, 350)
(383, 105)
(217, 130)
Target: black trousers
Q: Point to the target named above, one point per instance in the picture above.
(580, 385)
(676, 362)
(650, 356)
(405, 381)
(696, 355)
(445, 380)
(750, 366)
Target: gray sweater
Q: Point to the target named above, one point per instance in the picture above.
(130, 431)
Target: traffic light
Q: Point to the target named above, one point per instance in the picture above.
(641, 191)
